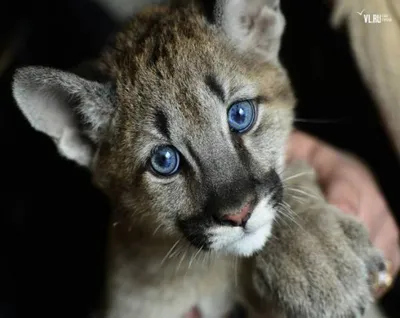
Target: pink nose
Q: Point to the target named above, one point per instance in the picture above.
(240, 218)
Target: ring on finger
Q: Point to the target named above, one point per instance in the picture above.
(384, 279)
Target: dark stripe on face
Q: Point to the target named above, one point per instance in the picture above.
(242, 151)
(194, 230)
(197, 160)
(161, 123)
(274, 185)
(215, 87)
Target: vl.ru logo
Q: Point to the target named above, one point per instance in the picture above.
(374, 18)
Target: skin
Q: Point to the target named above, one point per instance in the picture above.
(348, 184)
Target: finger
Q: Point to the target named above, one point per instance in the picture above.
(387, 238)
(388, 275)
(387, 242)
(396, 261)
(344, 196)
(375, 215)
(395, 252)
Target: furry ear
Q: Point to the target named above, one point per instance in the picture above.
(254, 26)
(73, 111)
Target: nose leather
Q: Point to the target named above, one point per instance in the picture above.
(239, 218)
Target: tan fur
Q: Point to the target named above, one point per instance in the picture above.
(128, 63)
(173, 62)
(315, 243)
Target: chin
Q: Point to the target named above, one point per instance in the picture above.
(245, 241)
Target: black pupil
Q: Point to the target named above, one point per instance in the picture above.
(163, 159)
(239, 115)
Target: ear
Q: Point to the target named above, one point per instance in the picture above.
(73, 111)
(254, 26)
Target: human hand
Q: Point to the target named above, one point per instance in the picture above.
(349, 185)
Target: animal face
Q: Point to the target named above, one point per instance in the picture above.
(187, 133)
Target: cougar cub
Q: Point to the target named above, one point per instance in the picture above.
(183, 121)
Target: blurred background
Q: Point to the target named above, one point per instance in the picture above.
(52, 221)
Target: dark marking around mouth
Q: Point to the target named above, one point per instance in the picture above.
(220, 201)
(274, 184)
(194, 229)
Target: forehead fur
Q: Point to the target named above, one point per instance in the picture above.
(156, 36)
(164, 44)
(161, 60)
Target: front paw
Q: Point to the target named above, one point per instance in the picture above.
(318, 264)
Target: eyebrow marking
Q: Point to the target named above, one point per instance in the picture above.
(161, 123)
(215, 87)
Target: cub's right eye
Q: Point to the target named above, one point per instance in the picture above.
(165, 161)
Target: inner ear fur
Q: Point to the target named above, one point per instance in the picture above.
(70, 109)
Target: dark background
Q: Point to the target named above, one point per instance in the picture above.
(52, 222)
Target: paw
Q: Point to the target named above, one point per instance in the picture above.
(318, 264)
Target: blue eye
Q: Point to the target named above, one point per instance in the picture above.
(241, 116)
(165, 160)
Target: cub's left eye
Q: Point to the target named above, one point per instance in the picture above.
(241, 116)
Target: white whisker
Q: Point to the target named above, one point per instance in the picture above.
(181, 260)
(297, 175)
(169, 252)
(318, 121)
(157, 228)
(290, 214)
(305, 193)
(193, 258)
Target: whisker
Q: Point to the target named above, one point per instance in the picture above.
(298, 198)
(204, 258)
(288, 221)
(281, 213)
(318, 120)
(235, 270)
(273, 237)
(181, 260)
(193, 258)
(169, 252)
(297, 175)
(291, 215)
(176, 252)
(158, 227)
(305, 193)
